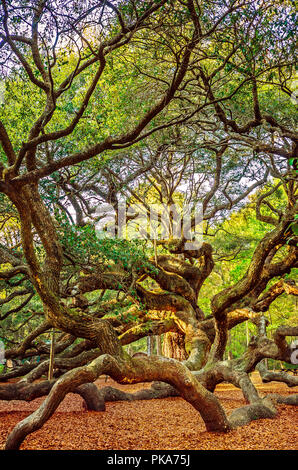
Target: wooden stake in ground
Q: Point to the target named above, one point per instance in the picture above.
(150, 345)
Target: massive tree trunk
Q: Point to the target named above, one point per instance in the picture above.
(173, 346)
(112, 359)
(191, 342)
(176, 300)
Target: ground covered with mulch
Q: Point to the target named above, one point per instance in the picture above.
(161, 424)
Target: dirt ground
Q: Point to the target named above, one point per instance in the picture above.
(162, 424)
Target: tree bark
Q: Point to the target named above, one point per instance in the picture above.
(173, 346)
(126, 371)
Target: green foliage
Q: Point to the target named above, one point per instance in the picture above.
(84, 243)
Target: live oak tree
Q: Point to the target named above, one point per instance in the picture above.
(107, 99)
